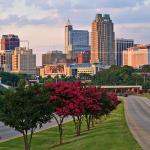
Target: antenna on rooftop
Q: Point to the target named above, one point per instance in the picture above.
(68, 22)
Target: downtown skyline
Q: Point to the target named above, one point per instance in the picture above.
(131, 20)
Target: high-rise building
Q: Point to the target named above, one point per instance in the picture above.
(24, 61)
(103, 40)
(5, 61)
(9, 42)
(120, 45)
(53, 57)
(137, 56)
(76, 40)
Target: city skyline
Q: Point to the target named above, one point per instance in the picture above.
(20, 17)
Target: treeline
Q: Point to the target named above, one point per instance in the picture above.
(28, 107)
(13, 79)
(123, 76)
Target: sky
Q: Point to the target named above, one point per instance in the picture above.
(42, 21)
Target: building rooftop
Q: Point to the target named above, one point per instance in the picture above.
(83, 65)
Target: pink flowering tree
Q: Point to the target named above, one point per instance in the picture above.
(58, 96)
(92, 107)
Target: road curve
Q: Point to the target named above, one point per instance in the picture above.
(137, 112)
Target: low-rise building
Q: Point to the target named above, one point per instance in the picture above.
(71, 69)
(54, 70)
(137, 56)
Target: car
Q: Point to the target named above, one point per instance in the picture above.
(125, 94)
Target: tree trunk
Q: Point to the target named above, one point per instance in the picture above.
(60, 127)
(88, 121)
(60, 133)
(79, 122)
(75, 124)
(27, 139)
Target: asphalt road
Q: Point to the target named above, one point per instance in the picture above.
(137, 111)
(7, 133)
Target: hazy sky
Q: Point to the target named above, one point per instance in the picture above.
(42, 21)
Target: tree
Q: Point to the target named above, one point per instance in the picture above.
(58, 94)
(145, 69)
(91, 105)
(24, 110)
(67, 100)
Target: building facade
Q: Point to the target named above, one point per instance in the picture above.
(120, 45)
(9, 42)
(71, 69)
(103, 40)
(83, 57)
(137, 56)
(54, 70)
(75, 40)
(5, 61)
(23, 61)
(53, 57)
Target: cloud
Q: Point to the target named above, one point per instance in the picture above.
(28, 18)
(52, 12)
(25, 21)
(84, 4)
(6, 3)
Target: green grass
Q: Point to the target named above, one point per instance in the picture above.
(111, 134)
(145, 95)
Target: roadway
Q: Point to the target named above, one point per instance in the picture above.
(7, 133)
(137, 112)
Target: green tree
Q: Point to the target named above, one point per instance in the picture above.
(24, 110)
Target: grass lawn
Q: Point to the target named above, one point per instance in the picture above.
(146, 95)
(111, 134)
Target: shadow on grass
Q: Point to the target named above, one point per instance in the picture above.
(76, 138)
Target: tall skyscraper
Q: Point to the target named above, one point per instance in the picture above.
(24, 61)
(9, 42)
(76, 40)
(120, 45)
(103, 40)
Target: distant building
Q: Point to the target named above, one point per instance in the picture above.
(71, 69)
(10, 42)
(5, 61)
(53, 57)
(54, 70)
(85, 68)
(137, 56)
(23, 61)
(83, 57)
(120, 45)
(103, 40)
(76, 40)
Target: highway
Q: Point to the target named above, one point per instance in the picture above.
(137, 112)
(7, 133)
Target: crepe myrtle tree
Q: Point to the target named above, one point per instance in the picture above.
(66, 100)
(91, 105)
(24, 110)
(57, 98)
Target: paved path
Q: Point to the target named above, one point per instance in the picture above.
(137, 110)
(7, 133)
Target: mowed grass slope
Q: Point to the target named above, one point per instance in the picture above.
(111, 134)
